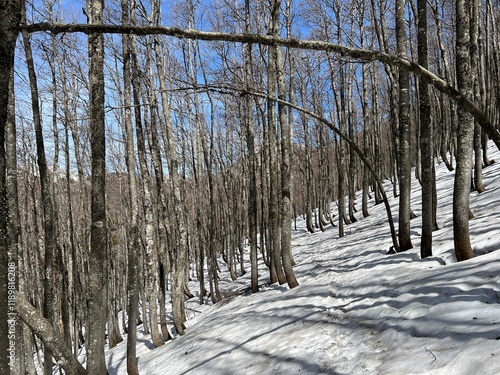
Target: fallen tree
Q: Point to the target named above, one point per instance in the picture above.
(363, 55)
(51, 339)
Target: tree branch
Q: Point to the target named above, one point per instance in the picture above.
(44, 330)
(316, 45)
(328, 123)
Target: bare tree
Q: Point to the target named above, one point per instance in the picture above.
(364, 108)
(286, 172)
(151, 249)
(252, 178)
(404, 162)
(97, 279)
(274, 181)
(476, 83)
(51, 339)
(11, 11)
(461, 192)
(17, 361)
(133, 236)
(426, 136)
(47, 196)
(180, 255)
(210, 153)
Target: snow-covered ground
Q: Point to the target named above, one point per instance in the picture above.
(357, 310)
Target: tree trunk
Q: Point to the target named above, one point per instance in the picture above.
(426, 137)
(351, 177)
(366, 122)
(286, 172)
(151, 255)
(274, 185)
(97, 280)
(404, 162)
(70, 276)
(308, 175)
(252, 181)
(366, 144)
(340, 149)
(461, 192)
(475, 69)
(133, 235)
(15, 257)
(43, 329)
(11, 14)
(47, 201)
(181, 253)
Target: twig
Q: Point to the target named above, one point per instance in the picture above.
(430, 351)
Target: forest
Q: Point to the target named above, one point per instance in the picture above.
(148, 144)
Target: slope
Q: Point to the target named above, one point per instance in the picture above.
(357, 310)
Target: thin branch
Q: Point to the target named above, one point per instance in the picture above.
(346, 138)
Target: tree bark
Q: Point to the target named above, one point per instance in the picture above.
(286, 172)
(366, 143)
(11, 17)
(47, 196)
(252, 183)
(97, 280)
(475, 69)
(44, 330)
(181, 253)
(404, 162)
(133, 236)
(426, 137)
(159, 174)
(461, 192)
(274, 182)
(16, 339)
(151, 255)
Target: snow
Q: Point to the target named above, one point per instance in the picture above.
(357, 310)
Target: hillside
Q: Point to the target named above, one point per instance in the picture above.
(357, 310)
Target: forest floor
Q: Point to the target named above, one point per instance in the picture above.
(357, 310)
